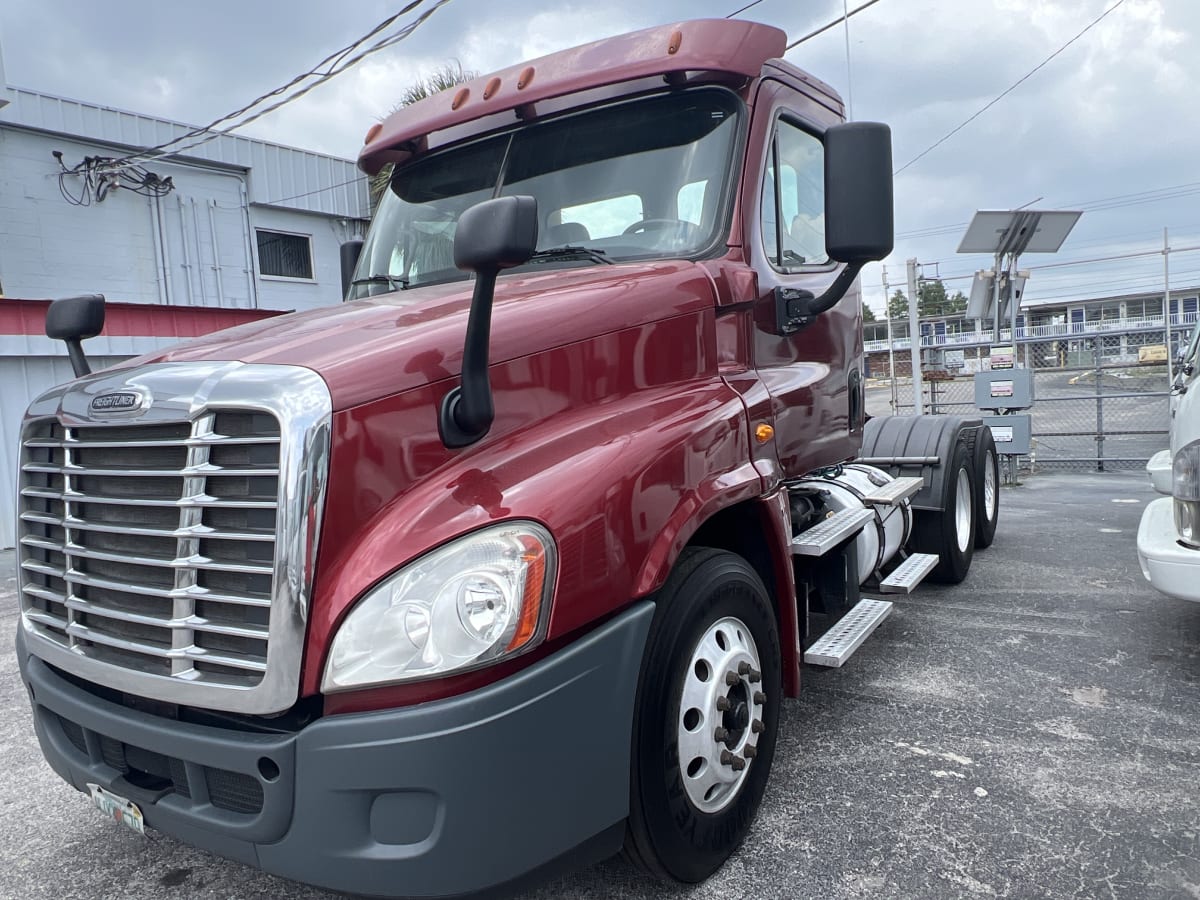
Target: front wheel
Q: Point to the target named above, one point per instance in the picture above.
(706, 719)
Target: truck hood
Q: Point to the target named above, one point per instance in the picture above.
(382, 345)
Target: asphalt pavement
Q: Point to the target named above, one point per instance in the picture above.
(1032, 732)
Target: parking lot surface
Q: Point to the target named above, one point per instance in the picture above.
(1032, 732)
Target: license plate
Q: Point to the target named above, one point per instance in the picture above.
(116, 807)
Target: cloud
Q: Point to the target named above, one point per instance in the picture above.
(1111, 115)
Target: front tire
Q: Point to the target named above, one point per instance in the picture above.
(707, 717)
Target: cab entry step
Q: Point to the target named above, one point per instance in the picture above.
(839, 642)
(824, 536)
(909, 573)
(895, 491)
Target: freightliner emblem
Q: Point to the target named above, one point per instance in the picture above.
(116, 402)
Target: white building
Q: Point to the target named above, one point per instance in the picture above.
(242, 228)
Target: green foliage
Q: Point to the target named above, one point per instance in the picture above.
(448, 76)
(932, 299)
(898, 305)
(868, 313)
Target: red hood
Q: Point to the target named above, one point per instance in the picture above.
(383, 345)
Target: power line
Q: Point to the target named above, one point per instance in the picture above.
(738, 12)
(1008, 90)
(838, 21)
(317, 191)
(336, 63)
(1152, 195)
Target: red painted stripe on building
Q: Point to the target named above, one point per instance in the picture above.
(134, 319)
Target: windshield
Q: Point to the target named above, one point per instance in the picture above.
(642, 179)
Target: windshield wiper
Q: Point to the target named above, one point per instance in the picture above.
(570, 252)
(390, 280)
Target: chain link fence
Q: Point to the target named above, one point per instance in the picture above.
(1100, 403)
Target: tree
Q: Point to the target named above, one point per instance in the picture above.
(932, 299)
(898, 305)
(448, 76)
(868, 313)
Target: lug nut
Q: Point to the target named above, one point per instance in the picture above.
(755, 676)
(738, 763)
(757, 726)
(744, 668)
(727, 758)
(720, 734)
(723, 704)
(750, 751)
(732, 678)
(760, 698)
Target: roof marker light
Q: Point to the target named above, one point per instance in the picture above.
(460, 98)
(373, 132)
(490, 90)
(676, 40)
(525, 78)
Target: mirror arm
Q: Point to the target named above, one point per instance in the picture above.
(467, 411)
(795, 309)
(78, 359)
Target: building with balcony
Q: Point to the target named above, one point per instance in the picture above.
(1049, 333)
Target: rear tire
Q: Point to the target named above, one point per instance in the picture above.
(987, 488)
(949, 533)
(688, 809)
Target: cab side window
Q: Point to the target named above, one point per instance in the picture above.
(793, 200)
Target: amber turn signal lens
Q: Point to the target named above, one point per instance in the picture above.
(764, 433)
(535, 584)
(460, 98)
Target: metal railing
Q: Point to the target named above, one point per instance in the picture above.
(982, 336)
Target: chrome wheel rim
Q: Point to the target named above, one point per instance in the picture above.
(962, 511)
(720, 715)
(989, 486)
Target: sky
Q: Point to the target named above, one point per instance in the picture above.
(1109, 126)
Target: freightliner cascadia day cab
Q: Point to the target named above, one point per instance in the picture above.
(507, 562)
(1168, 540)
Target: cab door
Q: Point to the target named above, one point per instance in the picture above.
(814, 376)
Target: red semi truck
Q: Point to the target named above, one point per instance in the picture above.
(466, 579)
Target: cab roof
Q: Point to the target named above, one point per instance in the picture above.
(701, 46)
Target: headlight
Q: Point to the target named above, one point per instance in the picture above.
(1185, 486)
(478, 599)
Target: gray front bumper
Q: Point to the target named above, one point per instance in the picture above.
(439, 799)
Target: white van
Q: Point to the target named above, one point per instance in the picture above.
(1168, 540)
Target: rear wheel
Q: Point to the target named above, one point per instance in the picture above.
(707, 717)
(987, 488)
(949, 532)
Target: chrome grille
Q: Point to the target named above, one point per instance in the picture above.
(152, 547)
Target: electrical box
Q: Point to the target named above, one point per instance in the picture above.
(1011, 433)
(1004, 389)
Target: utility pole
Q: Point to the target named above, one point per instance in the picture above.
(849, 78)
(914, 339)
(887, 312)
(1167, 303)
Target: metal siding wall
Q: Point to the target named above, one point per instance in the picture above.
(279, 172)
(326, 236)
(49, 248)
(24, 378)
